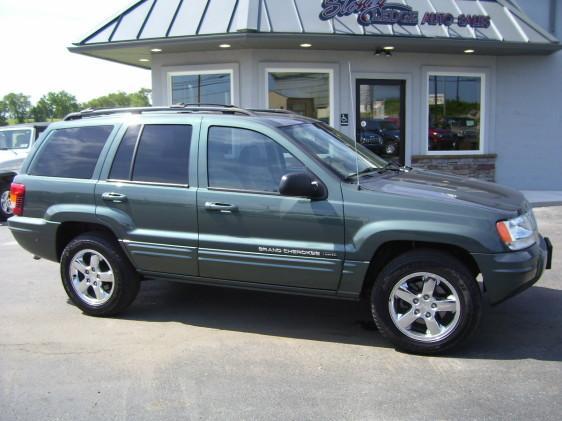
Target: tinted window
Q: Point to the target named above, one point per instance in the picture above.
(163, 154)
(71, 153)
(241, 159)
(122, 163)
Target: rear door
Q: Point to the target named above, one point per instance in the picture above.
(146, 194)
(248, 231)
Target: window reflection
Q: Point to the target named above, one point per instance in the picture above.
(201, 89)
(306, 94)
(454, 113)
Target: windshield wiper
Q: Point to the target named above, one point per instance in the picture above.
(393, 166)
(365, 171)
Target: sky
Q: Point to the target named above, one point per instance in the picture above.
(35, 35)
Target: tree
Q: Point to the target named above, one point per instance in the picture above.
(54, 105)
(3, 113)
(42, 111)
(18, 106)
(121, 99)
(60, 103)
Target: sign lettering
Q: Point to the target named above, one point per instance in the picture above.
(379, 12)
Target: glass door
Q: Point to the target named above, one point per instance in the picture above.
(381, 117)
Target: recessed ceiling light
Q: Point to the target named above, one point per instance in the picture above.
(144, 60)
(156, 50)
(469, 51)
(388, 48)
(306, 45)
(225, 46)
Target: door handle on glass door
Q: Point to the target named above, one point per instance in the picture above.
(221, 207)
(114, 197)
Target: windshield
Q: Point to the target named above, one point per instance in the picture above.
(15, 139)
(334, 149)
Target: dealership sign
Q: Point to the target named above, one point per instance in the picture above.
(379, 12)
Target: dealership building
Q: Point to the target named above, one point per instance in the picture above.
(472, 87)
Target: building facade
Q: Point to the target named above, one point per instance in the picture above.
(472, 87)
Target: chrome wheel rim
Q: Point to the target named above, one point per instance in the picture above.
(425, 307)
(5, 203)
(92, 277)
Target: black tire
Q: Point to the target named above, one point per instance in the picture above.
(126, 279)
(442, 265)
(4, 214)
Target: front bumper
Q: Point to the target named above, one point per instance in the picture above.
(508, 274)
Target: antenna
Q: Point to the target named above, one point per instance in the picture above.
(354, 119)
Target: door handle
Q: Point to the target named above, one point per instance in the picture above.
(221, 207)
(114, 197)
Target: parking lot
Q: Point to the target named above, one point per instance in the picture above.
(195, 352)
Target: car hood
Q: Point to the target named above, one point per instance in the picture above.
(448, 188)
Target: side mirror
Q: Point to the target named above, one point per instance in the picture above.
(301, 185)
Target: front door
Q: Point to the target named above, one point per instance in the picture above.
(248, 232)
(380, 111)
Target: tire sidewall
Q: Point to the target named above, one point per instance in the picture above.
(112, 257)
(465, 287)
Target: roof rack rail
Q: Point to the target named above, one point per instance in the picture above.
(271, 111)
(182, 108)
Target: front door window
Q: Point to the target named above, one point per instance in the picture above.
(380, 117)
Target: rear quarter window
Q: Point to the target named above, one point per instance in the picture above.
(71, 153)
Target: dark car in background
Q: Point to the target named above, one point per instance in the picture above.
(15, 144)
(442, 139)
(380, 136)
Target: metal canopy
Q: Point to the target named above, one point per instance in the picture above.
(444, 26)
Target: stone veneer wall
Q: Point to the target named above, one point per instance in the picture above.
(482, 167)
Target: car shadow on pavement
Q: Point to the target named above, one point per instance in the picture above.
(528, 326)
(254, 312)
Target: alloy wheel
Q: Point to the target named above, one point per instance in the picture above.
(92, 277)
(425, 307)
(5, 203)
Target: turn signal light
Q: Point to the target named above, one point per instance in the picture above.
(17, 196)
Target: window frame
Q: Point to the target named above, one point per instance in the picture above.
(483, 111)
(195, 71)
(135, 152)
(260, 192)
(326, 70)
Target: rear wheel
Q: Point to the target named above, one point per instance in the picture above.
(426, 302)
(5, 204)
(97, 276)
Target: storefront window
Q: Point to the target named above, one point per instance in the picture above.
(455, 113)
(201, 89)
(307, 94)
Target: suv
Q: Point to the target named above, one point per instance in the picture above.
(271, 201)
(15, 144)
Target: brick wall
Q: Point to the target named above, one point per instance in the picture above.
(482, 167)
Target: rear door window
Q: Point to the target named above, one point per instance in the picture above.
(159, 155)
(71, 152)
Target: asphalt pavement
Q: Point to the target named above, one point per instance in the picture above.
(192, 352)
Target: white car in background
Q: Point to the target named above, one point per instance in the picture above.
(15, 144)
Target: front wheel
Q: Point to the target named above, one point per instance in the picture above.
(5, 204)
(426, 302)
(97, 276)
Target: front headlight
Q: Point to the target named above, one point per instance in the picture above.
(519, 233)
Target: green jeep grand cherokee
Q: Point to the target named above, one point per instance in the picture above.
(271, 201)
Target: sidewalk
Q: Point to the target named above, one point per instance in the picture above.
(540, 199)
